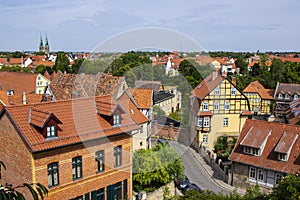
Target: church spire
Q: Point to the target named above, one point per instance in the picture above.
(46, 44)
(41, 48)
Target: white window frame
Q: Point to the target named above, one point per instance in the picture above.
(225, 121)
(205, 106)
(278, 177)
(205, 139)
(51, 131)
(200, 121)
(216, 105)
(233, 91)
(261, 175)
(280, 96)
(206, 122)
(296, 97)
(282, 156)
(117, 120)
(287, 96)
(217, 91)
(255, 151)
(252, 170)
(227, 105)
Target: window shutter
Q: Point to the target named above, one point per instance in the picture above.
(110, 192)
(94, 195)
(87, 196)
(125, 189)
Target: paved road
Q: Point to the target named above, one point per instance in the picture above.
(195, 171)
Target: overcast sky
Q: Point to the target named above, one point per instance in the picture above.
(81, 25)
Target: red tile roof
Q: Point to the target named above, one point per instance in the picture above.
(128, 105)
(143, 97)
(207, 85)
(18, 81)
(256, 87)
(79, 122)
(269, 158)
(11, 61)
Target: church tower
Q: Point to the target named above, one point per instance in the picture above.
(41, 48)
(47, 48)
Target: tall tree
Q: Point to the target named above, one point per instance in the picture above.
(62, 62)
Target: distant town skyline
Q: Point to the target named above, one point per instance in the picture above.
(81, 25)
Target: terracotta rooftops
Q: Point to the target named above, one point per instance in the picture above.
(128, 105)
(18, 99)
(18, 82)
(76, 120)
(259, 88)
(207, 85)
(277, 138)
(143, 97)
(67, 86)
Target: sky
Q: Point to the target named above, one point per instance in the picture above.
(81, 25)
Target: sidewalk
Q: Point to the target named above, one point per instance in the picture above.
(210, 172)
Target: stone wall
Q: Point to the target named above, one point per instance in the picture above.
(158, 194)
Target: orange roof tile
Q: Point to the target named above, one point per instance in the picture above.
(3, 97)
(207, 85)
(79, 122)
(269, 158)
(18, 81)
(256, 87)
(127, 104)
(143, 97)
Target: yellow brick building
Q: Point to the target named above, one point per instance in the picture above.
(260, 99)
(218, 108)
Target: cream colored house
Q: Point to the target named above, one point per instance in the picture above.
(218, 108)
(41, 84)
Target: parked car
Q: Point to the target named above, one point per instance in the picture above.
(191, 186)
(182, 182)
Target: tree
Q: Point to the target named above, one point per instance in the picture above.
(62, 62)
(155, 167)
(287, 188)
(10, 192)
(41, 69)
(158, 112)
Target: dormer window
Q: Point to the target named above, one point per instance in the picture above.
(296, 97)
(251, 151)
(51, 131)
(287, 96)
(282, 156)
(217, 91)
(9, 92)
(280, 96)
(116, 120)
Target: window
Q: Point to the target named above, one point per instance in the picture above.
(216, 106)
(39, 78)
(296, 97)
(205, 138)
(217, 91)
(51, 131)
(9, 92)
(100, 160)
(141, 129)
(116, 119)
(227, 105)
(98, 194)
(280, 96)
(278, 178)
(232, 91)
(206, 122)
(40, 91)
(53, 175)
(252, 173)
(118, 156)
(39, 83)
(256, 100)
(225, 122)
(255, 151)
(200, 121)
(247, 150)
(282, 156)
(261, 175)
(287, 96)
(78, 198)
(205, 106)
(77, 167)
(118, 191)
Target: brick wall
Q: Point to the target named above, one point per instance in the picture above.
(69, 188)
(15, 156)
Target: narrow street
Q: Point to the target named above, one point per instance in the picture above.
(195, 170)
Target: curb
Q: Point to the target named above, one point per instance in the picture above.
(225, 186)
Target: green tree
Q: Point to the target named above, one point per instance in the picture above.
(158, 112)
(41, 69)
(288, 188)
(62, 62)
(10, 192)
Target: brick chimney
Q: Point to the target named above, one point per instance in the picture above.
(24, 98)
(233, 81)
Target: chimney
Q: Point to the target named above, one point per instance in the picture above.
(233, 81)
(24, 98)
